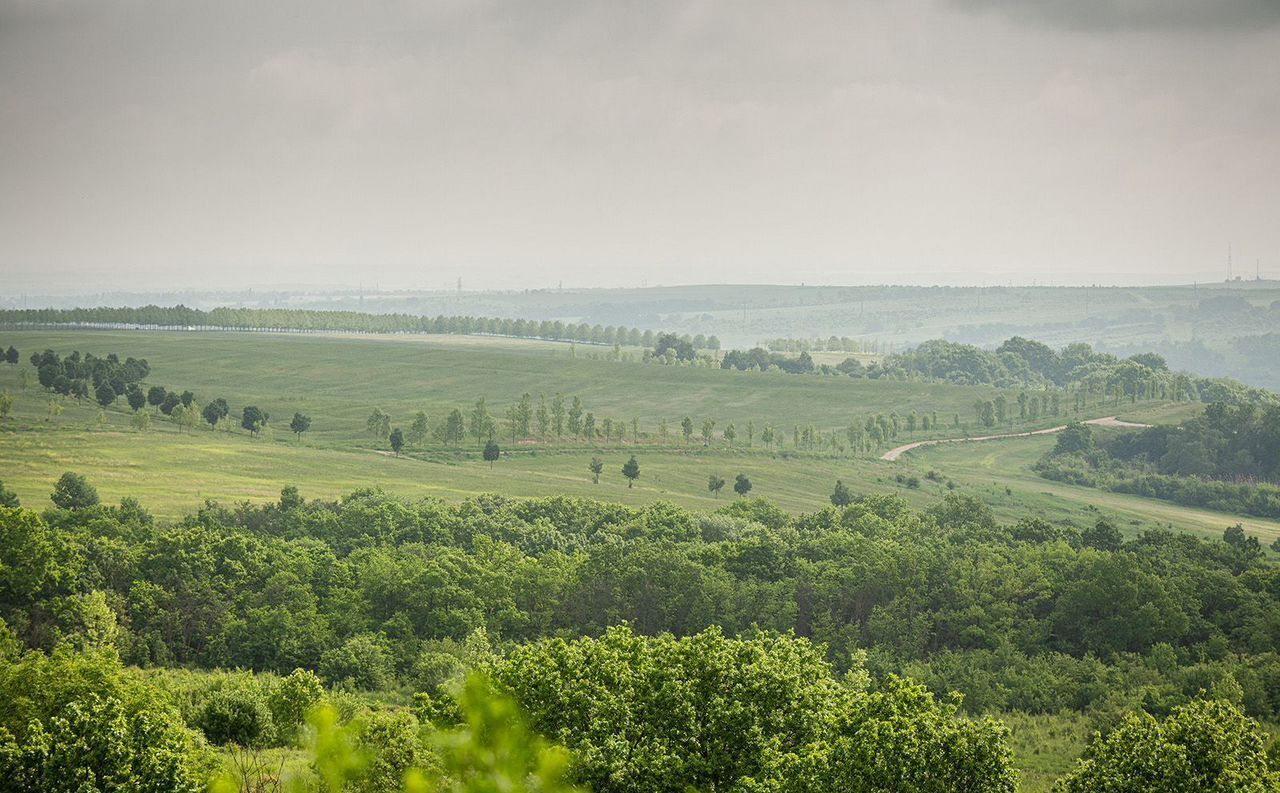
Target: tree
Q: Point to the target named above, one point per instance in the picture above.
(589, 426)
(253, 418)
(378, 424)
(491, 452)
(453, 430)
(300, 424)
(1077, 438)
(140, 421)
(1103, 535)
(481, 426)
(730, 433)
(1206, 745)
(171, 401)
(73, 491)
(575, 417)
(137, 400)
(9, 499)
(596, 466)
(105, 395)
(557, 415)
(841, 497)
(742, 485)
(215, 411)
(11, 355)
(631, 470)
(186, 417)
(418, 430)
(543, 416)
(707, 426)
(686, 428)
(6, 404)
(156, 395)
(714, 484)
(397, 441)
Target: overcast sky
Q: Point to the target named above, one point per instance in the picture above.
(232, 143)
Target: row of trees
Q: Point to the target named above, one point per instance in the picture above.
(340, 321)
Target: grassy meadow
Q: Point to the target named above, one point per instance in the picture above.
(339, 380)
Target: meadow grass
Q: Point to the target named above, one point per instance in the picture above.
(338, 380)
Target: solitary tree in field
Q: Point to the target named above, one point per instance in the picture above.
(742, 485)
(686, 428)
(54, 408)
(714, 483)
(841, 497)
(596, 466)
(631, 470)
(491, 452)
(73, 491)
(397, 441)
(300, 424)
(730, 434)
(253, 418)
(707, 426)
(6, 405)
(751, 432)
(11, 355)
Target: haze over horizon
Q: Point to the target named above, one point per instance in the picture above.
(149, 147)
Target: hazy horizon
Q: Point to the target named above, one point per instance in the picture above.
(152, 147)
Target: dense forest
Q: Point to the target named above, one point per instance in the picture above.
(1227, 458)
(376, 593)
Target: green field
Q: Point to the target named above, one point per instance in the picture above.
(338, 380)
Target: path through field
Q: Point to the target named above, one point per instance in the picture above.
(1106, 421)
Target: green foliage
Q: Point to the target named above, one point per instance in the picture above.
(73, 491)
(237, 715)
(252, 418)
(361, 661)
(73, 721)
(300, 424)
(760, 713)
(1207, 745)
(631, 470)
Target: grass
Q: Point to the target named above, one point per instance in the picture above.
(338, 380)
(1045, 747)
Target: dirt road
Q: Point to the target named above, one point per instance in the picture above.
(1107, 421)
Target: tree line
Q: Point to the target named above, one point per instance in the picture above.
(224, 318)
(1227, 458)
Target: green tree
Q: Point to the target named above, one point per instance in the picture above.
(378, 424)
(631, 470)
(6, 405)
(137, 400)
(491, 452)
(557, 415)
(73, 491)
(481, 426)
(253, 419)
(741, 485)
(8, 498)
(596, 466)
(396, 440)
(156, 395)
(575, 418)
(361, 661)
(1077, 438)
(105, 395)
(1206, 745)
(419, 431)
(11, 355)
(215, 411)
(730, 434)
(453, 429)
(841, 497)
(715, 483)
(686, 428)
(140, 421)
(300, 424)
(543, 416)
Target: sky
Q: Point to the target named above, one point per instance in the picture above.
(225, 144)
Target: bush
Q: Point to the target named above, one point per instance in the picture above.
(237, 715)
(361, 662)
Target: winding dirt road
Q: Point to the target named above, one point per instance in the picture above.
(1107, 421)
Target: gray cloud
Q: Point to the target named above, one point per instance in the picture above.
(1203, 15)
(514, 143)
